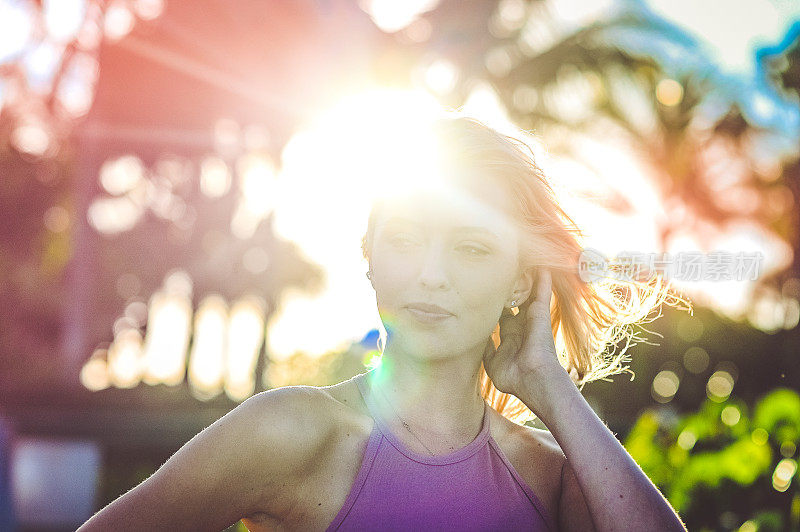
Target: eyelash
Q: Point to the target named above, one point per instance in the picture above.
(480, 251)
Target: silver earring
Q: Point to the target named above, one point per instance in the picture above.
(369, 275)
(514, 303)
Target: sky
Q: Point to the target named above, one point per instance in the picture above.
(728, 33)
(732, 29)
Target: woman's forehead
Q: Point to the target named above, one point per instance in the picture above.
(482, 205)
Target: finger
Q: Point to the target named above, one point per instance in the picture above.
(540, 308)
(510, 343)
(515, 328)
(544, 289)
(512, 322)
(489, 351)
(512, 326)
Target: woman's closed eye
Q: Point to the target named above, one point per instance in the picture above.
(404, 240)
(475, 251)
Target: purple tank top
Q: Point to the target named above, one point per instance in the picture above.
(474, 488)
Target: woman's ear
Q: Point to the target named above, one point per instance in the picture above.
(524, 288)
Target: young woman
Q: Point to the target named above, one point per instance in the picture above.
(486, 321)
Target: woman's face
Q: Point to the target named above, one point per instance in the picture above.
(453, 247)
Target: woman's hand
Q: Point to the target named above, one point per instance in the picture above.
(527, 353)
(604, 488)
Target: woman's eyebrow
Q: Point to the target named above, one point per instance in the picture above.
(399, 219)
(476, 229)
(461, 229)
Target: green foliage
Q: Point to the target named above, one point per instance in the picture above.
(779, 415)
(767, 521)
(717, 445)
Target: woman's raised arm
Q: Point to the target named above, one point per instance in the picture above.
(602, 487)
(246, 462)
(615, 490)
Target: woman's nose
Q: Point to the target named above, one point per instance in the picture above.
(433, 271)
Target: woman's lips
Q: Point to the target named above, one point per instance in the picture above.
(428, 317)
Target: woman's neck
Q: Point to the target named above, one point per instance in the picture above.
(440, 398)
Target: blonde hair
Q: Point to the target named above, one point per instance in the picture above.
(587, 318)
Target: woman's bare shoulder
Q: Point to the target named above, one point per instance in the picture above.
(247, 462)
(305, 413)
(545, 439)
(301, 415)
(544, 446)
(525, 438)
(345, 399)
(537, 457)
